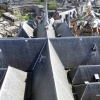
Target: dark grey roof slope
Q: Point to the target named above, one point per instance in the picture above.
(63, 29)
(46, 60)
(13, 87)
(51, 14)
(78, 90)
(84, 73)
(31, 23)
(44, 31)
(49, 81)
(77, 51)
(41, 30)
(25, 31)
(44, 28)
(2, 75)
(63, 89)
(90, 91)
(43, 87)
(20, 53)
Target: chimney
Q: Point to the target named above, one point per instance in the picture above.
(96, 76)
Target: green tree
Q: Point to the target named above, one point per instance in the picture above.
(25, 17)
(52, 7)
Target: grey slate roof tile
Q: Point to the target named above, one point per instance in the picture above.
(43, 82)
(84, 73)
(20, 53)
(63, 89)
(47, 59)
(77, 51)
(25, 31)
(2, 75)
(13, 87)
(64, 30)
(41, 31)
(49, 77)
(90, 91)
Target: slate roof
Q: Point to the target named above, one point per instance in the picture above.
(75, 51)
(45, 28)
(50, 31)
(44, 31)
(63, 29)
(43, 77)
(41, 31)
(90, 91)
(50, 71)
(25, 31)
(50, 14)
(84, 73)
(59, 29)
(13, 86)
(59, 74)
(46, 60)
(81, 48)
(38, 71)
(2, 75)
(41, 65)
(31, 23)
(19, 52)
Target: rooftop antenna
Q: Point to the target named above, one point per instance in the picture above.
(46, 16)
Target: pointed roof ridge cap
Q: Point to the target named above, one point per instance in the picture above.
(46, 15)
(88, 65)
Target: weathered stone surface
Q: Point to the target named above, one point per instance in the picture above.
(13, 87)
